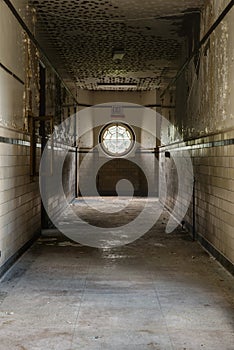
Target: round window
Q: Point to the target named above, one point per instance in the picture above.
(117, 139)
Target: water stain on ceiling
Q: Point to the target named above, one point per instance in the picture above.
(81, 37)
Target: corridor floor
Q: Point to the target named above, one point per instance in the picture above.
(161, 292)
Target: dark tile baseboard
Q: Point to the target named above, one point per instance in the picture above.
(227, 264)
(8, 264)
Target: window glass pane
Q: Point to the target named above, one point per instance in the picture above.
(112, 129)
(117, 139)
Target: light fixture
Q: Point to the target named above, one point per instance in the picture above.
(114, 86)
(118, 55)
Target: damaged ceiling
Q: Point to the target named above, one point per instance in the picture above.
(80, 37)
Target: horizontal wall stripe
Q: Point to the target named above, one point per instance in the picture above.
(62, 147)
(20, 142)
(17, 142)
(14, 141)
(174, 147)
(137, 151)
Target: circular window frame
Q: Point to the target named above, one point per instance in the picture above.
(128, 128)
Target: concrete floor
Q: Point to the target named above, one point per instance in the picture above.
(160, 292)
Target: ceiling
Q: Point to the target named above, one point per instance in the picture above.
(80, 36)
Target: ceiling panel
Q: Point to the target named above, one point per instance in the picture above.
(81, 35)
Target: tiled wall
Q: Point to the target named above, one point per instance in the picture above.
(204, 116)
(20, 202)
(19, 194)
(213, 166)
(53, 199)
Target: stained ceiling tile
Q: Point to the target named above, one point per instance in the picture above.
(81, 35)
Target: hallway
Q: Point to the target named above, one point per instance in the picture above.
(161, 292)
(116, 174)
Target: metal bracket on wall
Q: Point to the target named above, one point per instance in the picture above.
(34, 136)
